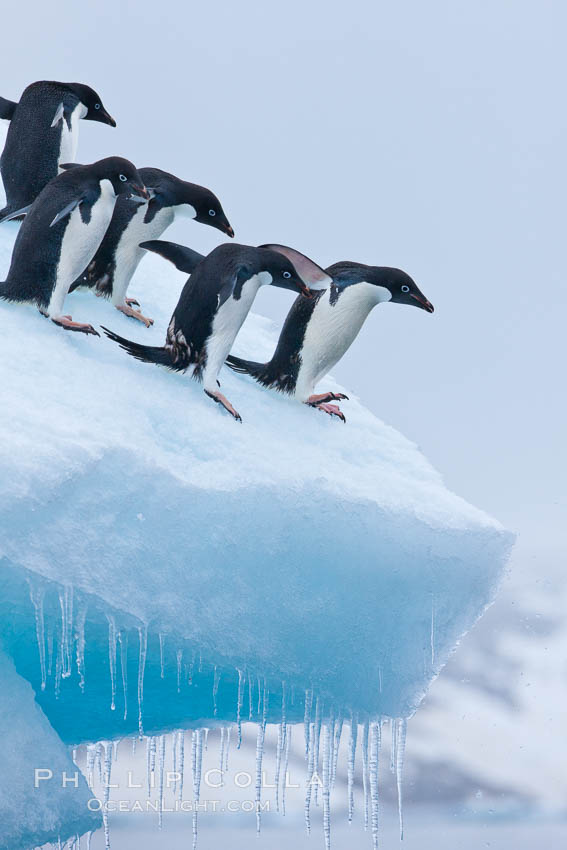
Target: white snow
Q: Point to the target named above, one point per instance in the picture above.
(31, 815)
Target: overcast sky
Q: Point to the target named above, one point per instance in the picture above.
(430, 136)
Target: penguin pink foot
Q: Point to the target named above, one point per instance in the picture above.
(331, 409)
(67, 323)
(324, 397)
(134, 314)
(130, 301)
(221, 399)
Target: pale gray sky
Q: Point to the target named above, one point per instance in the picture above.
(430, 136)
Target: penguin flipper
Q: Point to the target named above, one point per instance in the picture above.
(59, 113)
(311, 273)
(183, 258)
(7, 109)
(66, 211)
(9, 216)
(67, 166)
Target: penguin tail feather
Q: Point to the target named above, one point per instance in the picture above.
(161, 356)
(248, 367)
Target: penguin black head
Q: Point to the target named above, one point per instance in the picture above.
(392, 284)
(290, 269)
(124, 176)
(191, 200)
(92, 103)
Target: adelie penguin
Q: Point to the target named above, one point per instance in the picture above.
(214, 303)
(63, 231)
(43, 133)
(111, 269)
(318, 331)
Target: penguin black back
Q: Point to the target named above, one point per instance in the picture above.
(42, 133)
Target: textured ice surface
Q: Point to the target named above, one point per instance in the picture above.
(313, 557)
(30, 816)
(306, 548)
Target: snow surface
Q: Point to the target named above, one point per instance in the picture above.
(33, 815)
(326, 557)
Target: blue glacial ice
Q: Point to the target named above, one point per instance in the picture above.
(164, 568)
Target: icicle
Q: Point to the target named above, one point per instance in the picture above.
(98, 760)
(66, 603)
(112, 658)
(380, 677)
(401, 724)
(375, 737)
(80, 643)
(311, 769)
(351, 761)
(200, 667)
(222, 746)
(259, 697)
(197, 768)
(338, 728)
(316, 740)
(307, 719)
(58, 669)
(327, 763)
(227, 749)
(123, 641)
(161, 771)
(393, 746)
(91, 753)
(250, 709)
(365, 788)
(161, 655)
(206, 741)
(216, 680)
(174, 759)
(181, 762)
(107, 770)
(134, 739)
(280, 747)
(239, 707)
(49, 650)
(289, 727)
(259, 756)
(89, 836)
(148, 767)
(37, 595)
(143, 639)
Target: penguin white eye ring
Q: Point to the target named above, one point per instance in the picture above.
(97, 106)
(212, 212)
(286, 275)
(123, 178)
(405, 288)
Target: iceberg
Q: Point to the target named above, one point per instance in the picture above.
(164, 568)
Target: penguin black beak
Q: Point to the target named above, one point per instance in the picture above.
(305, 290)
(229, 231)
(140, 192)
(109, 119)
(424, 303)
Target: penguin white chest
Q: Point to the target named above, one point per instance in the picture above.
(331, 331)
(80, 243)
(228, 320)
(128, 251)
(70, 135)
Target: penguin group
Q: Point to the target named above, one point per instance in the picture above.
(89, 226)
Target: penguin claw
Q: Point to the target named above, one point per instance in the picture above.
(314, 400)
(134, 314)
(130, 301)
(221, 399)
(331, 409)
(68, 324)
